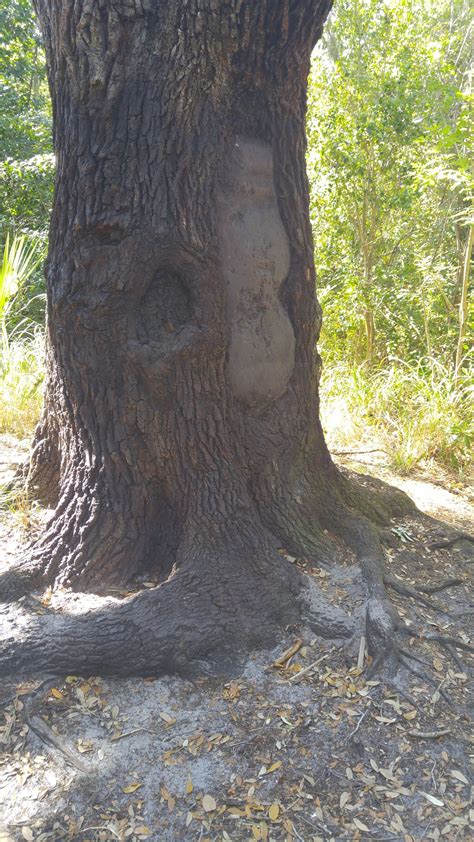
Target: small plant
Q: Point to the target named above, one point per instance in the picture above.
(19, 261)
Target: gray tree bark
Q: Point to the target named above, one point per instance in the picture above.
(181, 436)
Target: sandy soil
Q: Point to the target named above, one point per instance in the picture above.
(265, 752)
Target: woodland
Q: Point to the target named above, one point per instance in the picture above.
(235, 419)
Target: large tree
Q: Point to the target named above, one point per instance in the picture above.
(180, 438)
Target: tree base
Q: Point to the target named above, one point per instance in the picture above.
(231, 589)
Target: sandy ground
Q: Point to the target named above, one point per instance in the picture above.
(267, 752)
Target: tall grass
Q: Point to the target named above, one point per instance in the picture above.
(21, 383)
(21, 341)
(417, 412)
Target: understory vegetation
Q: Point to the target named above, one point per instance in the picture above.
(390, 167)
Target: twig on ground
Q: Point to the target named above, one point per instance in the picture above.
(350, 452)
(296, 677)
(352, 734)
(429, 735)
(361, 653)
(135, 731)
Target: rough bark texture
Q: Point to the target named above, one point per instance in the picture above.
(181, 437)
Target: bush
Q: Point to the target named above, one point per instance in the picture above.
(26, 188)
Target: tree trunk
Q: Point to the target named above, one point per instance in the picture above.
(181, 439)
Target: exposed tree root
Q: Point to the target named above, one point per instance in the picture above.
(450, 641)
(230, 589)
(454, 657)
(407, 590)
(445, 543)
(443, 640)
(428, 678)
(448, 583)
(163, 629)
(19, 580)
(407, 654)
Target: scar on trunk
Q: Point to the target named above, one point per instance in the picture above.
(255, 256)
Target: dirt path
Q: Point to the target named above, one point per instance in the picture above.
(428, 489)
(267, 752)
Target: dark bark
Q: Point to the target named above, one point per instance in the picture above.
(181, 437)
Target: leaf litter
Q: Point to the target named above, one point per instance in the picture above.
(300, 744)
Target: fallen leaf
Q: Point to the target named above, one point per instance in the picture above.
(208, 803)
(27, 833)
(436, 801)
(360, 825)
(343, 799)
(170, 720)
(50, 778)
(56, 693)
(189, 786)
(274, 812)
(459, 776)
(287, 654)
(131, 788)
(274, 767)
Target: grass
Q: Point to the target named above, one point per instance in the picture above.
(21, 383)
(21, 340)
(415, 411)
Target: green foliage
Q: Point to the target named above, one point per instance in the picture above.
(26, 191)
(19, 261)
(25, 111)
(390, 129)
(26, 161)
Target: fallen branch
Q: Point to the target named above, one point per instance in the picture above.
(48, 736)
(361, 654)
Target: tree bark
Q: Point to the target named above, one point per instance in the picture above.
(181, 438)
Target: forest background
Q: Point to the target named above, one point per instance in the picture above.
(390, 128)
